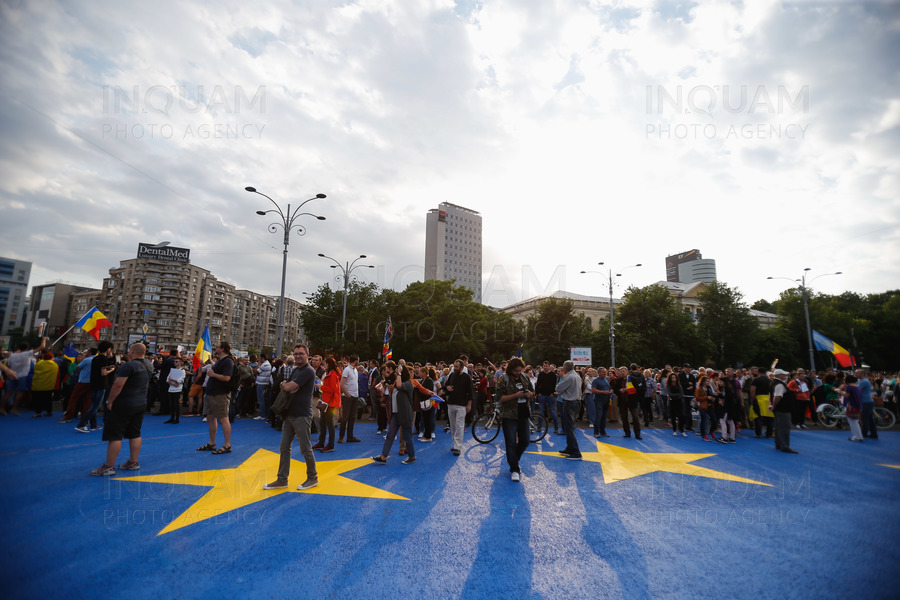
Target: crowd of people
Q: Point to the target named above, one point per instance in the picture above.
(302, 395)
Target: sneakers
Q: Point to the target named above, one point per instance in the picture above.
(565, 452)
(674, 434)
(573, 456)
(516, 476)
(379, 432)
(327, 449)
(258, 418)
(276, 485)
(308, 484)
(683, 434)
(456, 452)
(379, 459)
(797, 427)
(706, 438)
(130, 465)
(340, 440)
(104, 471)
(318, 446)
(99, 427)
(353, 439)
(408, 460)
(64, 421)
(85, 429)
(721, 440)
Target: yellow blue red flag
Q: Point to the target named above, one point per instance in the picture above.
(93, 322)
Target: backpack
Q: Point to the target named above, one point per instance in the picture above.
(235, 382)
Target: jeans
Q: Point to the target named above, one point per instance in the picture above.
(393, 428)
(629, 407)
(90, 416)
(704, 422)
(175, 405)
(326, 426)
(570, 409)
(676, 414)
(591, 409)
(515, 434)
(601, 410)
(457, 417)
(782, 430)
(80, 398)
(867, 420)
(296, 427)
(349, 404)
(663, 406)
(548, 404)
(261, 392)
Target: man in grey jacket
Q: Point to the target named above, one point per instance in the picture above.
(569, 392)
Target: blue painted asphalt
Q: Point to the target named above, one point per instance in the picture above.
(825, 527)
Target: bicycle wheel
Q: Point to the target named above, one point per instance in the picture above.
(538, 428)
(828, 416)
(486, 428)
(884, 419)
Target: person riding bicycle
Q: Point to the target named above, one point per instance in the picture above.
(515, 393)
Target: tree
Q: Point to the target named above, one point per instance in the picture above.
(554, 329)
(727, 324)
(655, 331)
(764, 306)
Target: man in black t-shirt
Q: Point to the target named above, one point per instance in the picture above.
(760, 389)
(125, 407)
(297, 421)
(218, 396)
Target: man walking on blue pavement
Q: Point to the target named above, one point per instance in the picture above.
(297, 421)
(459, 402)
(569, 392)
(782, 404)
(515, 393)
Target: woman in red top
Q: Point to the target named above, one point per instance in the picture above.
(331, 395)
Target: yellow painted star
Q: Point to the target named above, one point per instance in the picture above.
(238, 487)
(623, 463)
(890, 466)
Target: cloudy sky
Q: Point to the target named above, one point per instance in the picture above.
(763, 133)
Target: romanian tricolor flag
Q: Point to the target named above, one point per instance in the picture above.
(203, 351)
(93, 322)
(388, 334)
(629, 388)
(437, 399)
(840, 354)
(388, 354)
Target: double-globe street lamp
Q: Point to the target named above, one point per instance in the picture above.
(346, 270)
(803, 289)
(608, 272)
(287, 224)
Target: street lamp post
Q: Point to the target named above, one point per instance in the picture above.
(287, 224)
(803, 290)
(612, 312)
(346, 269)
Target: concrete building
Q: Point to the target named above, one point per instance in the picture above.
(596, 308)
(14, 276)
(175, 300)
(453, 246)
(51, 303)
(690, 267)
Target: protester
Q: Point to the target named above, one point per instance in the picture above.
(175, 381)
(516, 394)
(852, 399)
(331, 396)
(125, 406)
(401, 408)
(43, 384)
(867, 416)
(459, 402)
(349, 383)
(263, 381)
(633, 391)
(782, 404)
(545, 388)
(300, 382)
(602, 393)
(568, 392)
(676, 403)
(102, 377)
(217, 398)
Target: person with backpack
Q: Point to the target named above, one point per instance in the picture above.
(635, 388)
(459, 398)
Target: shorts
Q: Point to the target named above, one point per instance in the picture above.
(196, 390)
(22, 384)
(124, 423)
(217, 406)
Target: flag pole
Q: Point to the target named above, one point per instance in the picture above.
(62, 336)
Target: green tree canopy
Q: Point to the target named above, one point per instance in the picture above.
(554, 329)
(727, 323)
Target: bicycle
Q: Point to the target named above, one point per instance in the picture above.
(486, 428)
(830, 415)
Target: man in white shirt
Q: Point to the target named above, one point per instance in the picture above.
(263, 381)
(349, 402)
(20, 361)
